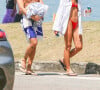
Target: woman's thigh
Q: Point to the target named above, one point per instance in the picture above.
(77, 38)
(68, 35)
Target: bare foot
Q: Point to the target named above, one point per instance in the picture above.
(30, 72)
(71, 73)
(23, 66)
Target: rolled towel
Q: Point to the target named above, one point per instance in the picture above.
(36, 9)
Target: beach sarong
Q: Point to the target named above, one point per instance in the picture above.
(8, 18)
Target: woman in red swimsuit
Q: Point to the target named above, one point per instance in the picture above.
(72, 33)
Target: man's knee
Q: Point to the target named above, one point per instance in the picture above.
(34, 43)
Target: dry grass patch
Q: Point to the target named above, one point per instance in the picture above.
(51, 47)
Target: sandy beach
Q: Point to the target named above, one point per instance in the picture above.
(52, 47)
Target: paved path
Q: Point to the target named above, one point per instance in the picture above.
(56, 81)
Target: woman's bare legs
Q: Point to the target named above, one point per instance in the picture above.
(77, 41)
(68, 41)
(78, 46)
(76, 37)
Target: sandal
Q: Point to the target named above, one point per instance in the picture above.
(23, 69)
(30, 73)
(71, 74)
(23, 66)
(62, 64)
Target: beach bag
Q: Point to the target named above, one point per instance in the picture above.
(18, 17)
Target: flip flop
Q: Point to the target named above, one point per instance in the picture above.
(71, 74)
(62, 64)
(22, 69)
(30, 73)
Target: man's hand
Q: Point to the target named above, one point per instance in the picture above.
(36, 17)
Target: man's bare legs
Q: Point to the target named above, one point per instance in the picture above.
(30, 53)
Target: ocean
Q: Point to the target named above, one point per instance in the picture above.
(53, 5)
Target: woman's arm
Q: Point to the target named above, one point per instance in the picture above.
(14, 9)
(74, 1)
(21, 6)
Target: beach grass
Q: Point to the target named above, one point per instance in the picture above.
(52, 47)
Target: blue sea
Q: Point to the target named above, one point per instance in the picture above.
(53, 5)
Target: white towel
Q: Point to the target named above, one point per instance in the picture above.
(36, 8)
(62, 17)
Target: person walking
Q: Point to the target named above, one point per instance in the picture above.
(68, 23)
(30, 33)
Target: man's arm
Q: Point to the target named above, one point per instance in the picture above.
(23, 10)
(41, 1)
(21, 6)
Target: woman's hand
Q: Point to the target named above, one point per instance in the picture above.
(56, 33)
(14, 9)
(13, 13)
